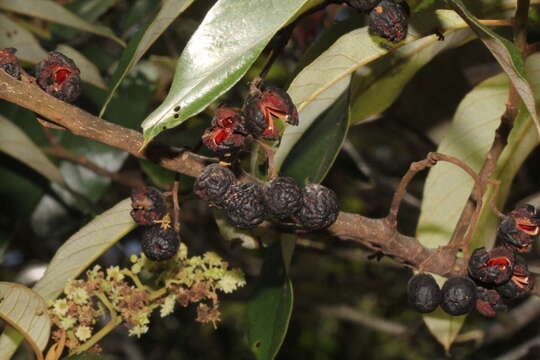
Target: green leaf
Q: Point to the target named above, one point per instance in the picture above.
(91, 10)
(26, 311)
(448, 187)
(142, 41)
(56, 13)
(270, 307)
(247, 238)
(374, 90)
(17, 144)
(84, 247)
(89, 71)
(228, 41)
(315, 153)
(323, 81)
(506, 54)
(16, 36)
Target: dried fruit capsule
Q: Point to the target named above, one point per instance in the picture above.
(283, 197)
(263, 106)
(148, 205)
(424, 293)
(9, 62)
(494, 267)
(227, 136)
(214, 183)
(159, 244)
(244, 205)
(362, 5)
(519, 228)
(389, 20)
(59, 76)
(459, 295)
(520, 284)
(319, 209)
(489, 302)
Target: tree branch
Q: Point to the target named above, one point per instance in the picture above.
(375, 234)
(80, 122)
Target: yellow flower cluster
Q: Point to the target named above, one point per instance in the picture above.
(121, 294)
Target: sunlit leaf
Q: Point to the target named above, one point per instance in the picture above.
(56, 13)
(26, 311)
(15, 143)
(228, 41)
(15, 36)
(448, 187)
(141, 42)
(320, 83)
(507, 55)
(84, 247)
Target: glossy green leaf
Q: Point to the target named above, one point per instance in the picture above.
(315, 153)
(84, 247)
(270, 307)
(141, 42)
(89, 71)
(448, 187)
(323, 81)
(26, 311)
(17, 144)
(15, 36)
(506, 54)
(228, 41)
(56, 13)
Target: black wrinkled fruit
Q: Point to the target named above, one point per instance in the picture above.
(148, 205)
(389, 20)
(319, 209)
(283, 197)
(213, 183)
(59, 76)
(459, 295)
(244, 205)
(159, 244)
(424, 293)
(362, 5)
(9, 62)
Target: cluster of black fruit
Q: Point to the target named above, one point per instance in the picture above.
(386, 18)
(57, 74)
(231, 127)
(495, 278)
(159, 240)
(247, 204)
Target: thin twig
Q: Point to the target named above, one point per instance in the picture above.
(65, 154)
(350, 314)
(431, 159)
(501, 134)
(270, 151)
